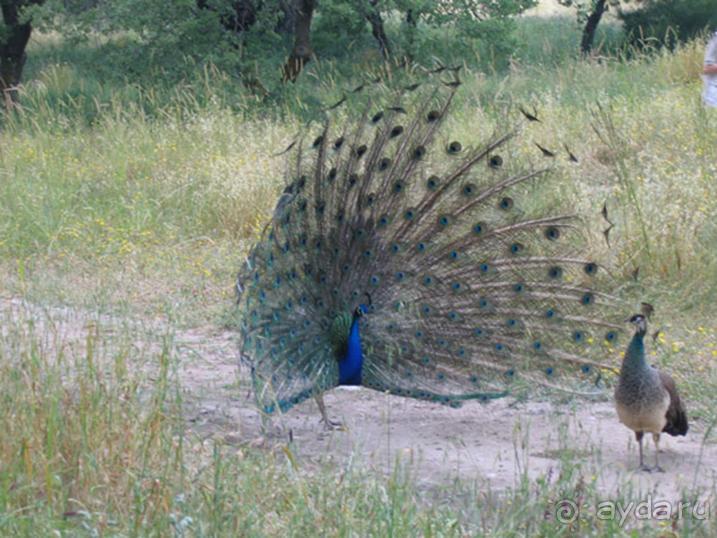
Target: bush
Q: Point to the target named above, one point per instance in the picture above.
(669, 22)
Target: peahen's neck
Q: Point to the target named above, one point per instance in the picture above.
(351, 364)
(634, 362)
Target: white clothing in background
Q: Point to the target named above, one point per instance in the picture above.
(709, 96)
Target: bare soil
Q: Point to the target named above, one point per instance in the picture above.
(491, 444)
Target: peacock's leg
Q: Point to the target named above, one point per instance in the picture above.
(265, 424)
(270, 430)
(329, 424)
(643, 467)
(656, 439)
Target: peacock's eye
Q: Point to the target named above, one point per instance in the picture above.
(496, 161)
(454, 148)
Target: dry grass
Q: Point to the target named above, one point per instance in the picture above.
(154, 214)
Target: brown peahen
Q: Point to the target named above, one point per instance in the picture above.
(646, 399)
(405, 261)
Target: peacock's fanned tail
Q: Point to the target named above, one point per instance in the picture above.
(473, 280)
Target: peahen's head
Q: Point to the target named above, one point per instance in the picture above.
(640, 323)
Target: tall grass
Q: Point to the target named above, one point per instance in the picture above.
(95, 443)
(157, 183)
(119, 196)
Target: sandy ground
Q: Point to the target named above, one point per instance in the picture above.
(489, 444)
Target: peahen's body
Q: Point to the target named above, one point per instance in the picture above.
(646, 399)
(399, 260)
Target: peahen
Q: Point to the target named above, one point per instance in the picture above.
(403, 261)
(646, 398)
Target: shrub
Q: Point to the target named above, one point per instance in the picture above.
(669, 22)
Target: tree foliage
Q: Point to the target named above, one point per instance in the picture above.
(589, 13)
(470, 25)
(261, 38)
(667, 22)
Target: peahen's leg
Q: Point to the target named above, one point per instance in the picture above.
(639, 436)
(329, 424)
(656, 439)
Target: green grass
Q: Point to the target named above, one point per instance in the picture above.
(171, 200)
(95, 442)
(115, 197)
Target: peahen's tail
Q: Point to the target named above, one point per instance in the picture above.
(472, 276)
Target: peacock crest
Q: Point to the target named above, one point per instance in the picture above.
(475, 275)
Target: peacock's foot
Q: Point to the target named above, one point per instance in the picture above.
(259, 442)
(332, 425)
(645, 468)
(274, 432)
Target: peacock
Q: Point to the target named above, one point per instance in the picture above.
(646, 399)
(400, 259)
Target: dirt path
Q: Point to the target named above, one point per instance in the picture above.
(492, 444)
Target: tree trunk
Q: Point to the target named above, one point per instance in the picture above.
(287, 22)
(591, 26)
(239, 18)
(245, 15)
(12, 50)
(302, 51)
(374, 18)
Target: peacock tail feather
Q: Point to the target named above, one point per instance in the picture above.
(471, 279)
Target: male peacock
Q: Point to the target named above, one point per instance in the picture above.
(646, 399)
(400, 260)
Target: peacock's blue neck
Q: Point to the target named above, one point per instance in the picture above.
(635, 354)
(350, 366)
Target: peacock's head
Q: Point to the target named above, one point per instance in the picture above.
(640, 323)
(363, 308)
